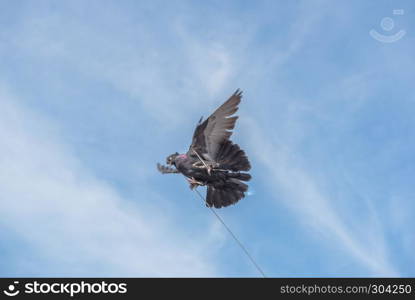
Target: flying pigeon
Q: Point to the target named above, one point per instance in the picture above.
(213, 160)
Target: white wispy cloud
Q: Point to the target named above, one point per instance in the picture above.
(75, 220)
(293, 184)
(77, 223)
(169, 82)
(313, 207)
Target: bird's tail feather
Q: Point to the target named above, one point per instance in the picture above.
(230, 193)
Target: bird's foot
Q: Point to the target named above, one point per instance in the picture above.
(194, 183)
(212, 166)
(209, 166)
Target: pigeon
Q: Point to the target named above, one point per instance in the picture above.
(213, 160)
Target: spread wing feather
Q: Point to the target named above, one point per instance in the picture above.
(166, 170)
(211, 133)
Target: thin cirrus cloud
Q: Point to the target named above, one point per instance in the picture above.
(88, 91)
(136, 63)
(295, 188)
(79, 224)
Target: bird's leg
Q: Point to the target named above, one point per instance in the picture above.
(208, 168)
(194, 183)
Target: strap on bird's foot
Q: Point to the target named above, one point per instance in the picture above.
(208, 168)
(209, 165)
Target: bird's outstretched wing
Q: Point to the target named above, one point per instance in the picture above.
(211, 133)
(166, 170)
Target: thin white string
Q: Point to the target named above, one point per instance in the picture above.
(234, 237)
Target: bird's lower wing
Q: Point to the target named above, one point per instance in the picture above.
(166, 170)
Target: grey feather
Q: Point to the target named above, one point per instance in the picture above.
(166, 170)
(209, 135)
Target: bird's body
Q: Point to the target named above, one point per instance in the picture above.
(213, 160)
(217, 177)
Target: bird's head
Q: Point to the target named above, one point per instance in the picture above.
(170, 159)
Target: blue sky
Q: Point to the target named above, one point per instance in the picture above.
(94, 93)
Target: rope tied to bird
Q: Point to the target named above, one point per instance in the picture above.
(238, 242)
